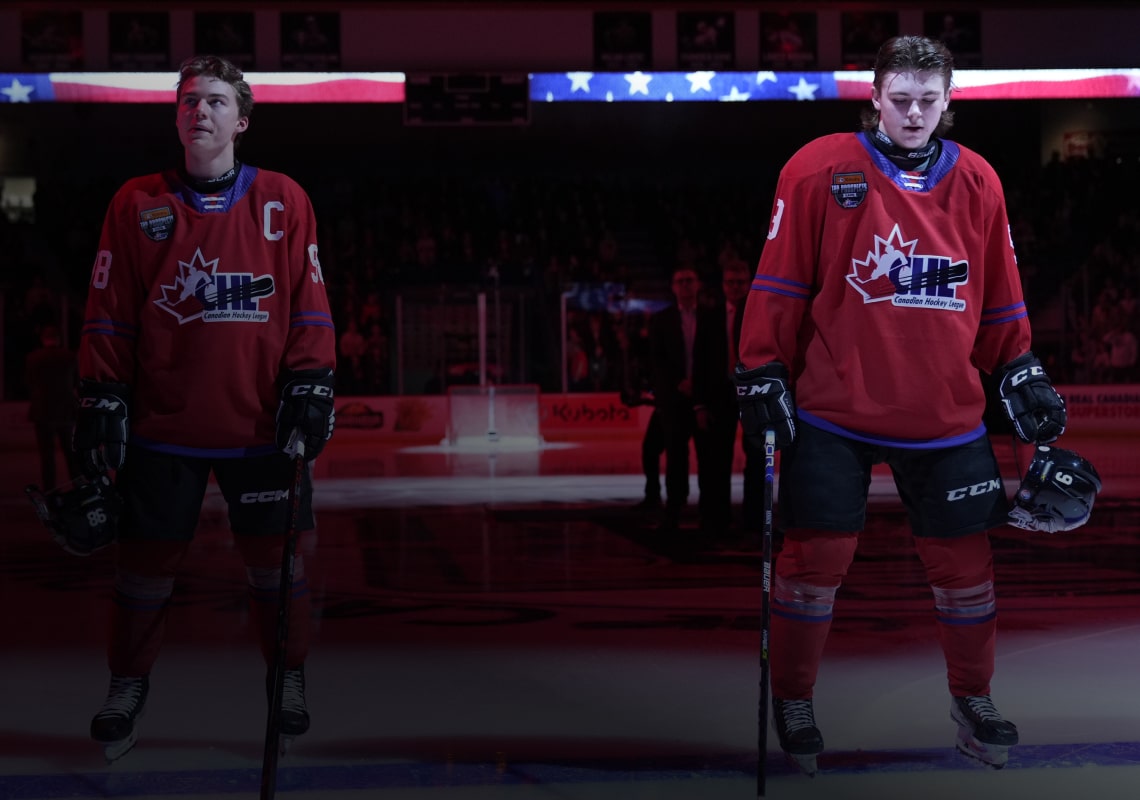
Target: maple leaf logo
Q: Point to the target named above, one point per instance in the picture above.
(885, 270)
(186, 298)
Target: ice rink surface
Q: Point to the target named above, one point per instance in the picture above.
(504, 625)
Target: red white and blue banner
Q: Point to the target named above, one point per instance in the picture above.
(159, 87)
(554, 87)
(709, 86)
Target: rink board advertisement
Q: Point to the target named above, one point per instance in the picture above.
(1102, 408)
(425, 417)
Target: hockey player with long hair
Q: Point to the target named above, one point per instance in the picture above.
(887, 282)
(207, 347)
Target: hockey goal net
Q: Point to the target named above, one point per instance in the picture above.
(502, 416)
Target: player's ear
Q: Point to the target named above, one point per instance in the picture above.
(242, 124)
(876, 99)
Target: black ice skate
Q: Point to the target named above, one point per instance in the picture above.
(982, 732)
(294, 718)
(115, 726)
(799, 738)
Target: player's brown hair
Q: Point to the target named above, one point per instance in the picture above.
(912, 54)
(223, 70)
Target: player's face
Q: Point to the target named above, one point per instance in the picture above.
(208, 117)
(910, 106)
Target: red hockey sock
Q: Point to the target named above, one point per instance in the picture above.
(961, 575)
(262, 556)
(144, 583)
(809, 570)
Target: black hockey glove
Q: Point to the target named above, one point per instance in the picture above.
(306, 413)
(766, 402)
(101, 426)
(1032, 404)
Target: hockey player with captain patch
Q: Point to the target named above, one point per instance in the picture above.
(887, 282)
(207, 347)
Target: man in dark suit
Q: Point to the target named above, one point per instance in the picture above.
(637, 390)
(672, 332)
(717, 411)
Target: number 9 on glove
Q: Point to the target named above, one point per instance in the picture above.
(306, 413)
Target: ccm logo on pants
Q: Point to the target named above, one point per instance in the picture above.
(975, 490)
(271, 496)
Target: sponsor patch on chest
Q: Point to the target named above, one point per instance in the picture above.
(157, 223)
(849, 189)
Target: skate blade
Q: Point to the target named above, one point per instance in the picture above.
(113, 751)
(993, 755)
(807, 764)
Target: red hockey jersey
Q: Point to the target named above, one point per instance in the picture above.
(884, 291)
(199, 301)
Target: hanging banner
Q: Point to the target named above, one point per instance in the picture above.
(788, 40)
(706, 40)
(961, 31)
(863, 33)
(226, 34)
(138, 41)
(623, 40)
(310, 41)
(51, 41)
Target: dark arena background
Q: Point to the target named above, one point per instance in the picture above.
(494, 614)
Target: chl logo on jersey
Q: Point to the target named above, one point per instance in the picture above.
(892, 271)
(200, 291)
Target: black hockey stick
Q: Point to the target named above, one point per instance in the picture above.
(288, 554)
(765, 609)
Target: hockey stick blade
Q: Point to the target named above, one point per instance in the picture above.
(955, 273)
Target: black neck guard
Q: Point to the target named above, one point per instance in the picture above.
(211, 185)
(910, 160)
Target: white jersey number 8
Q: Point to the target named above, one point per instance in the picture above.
(101, 272)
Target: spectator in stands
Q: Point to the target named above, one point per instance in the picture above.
(1121, 344)
(52, 375)
(352, 350)
(577, 361)
(376, 361)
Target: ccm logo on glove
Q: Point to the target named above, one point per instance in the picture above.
(311, 388)
(101, 404)
(745, 391)
(1021, 376)
(1034, 407)
(306, 414)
